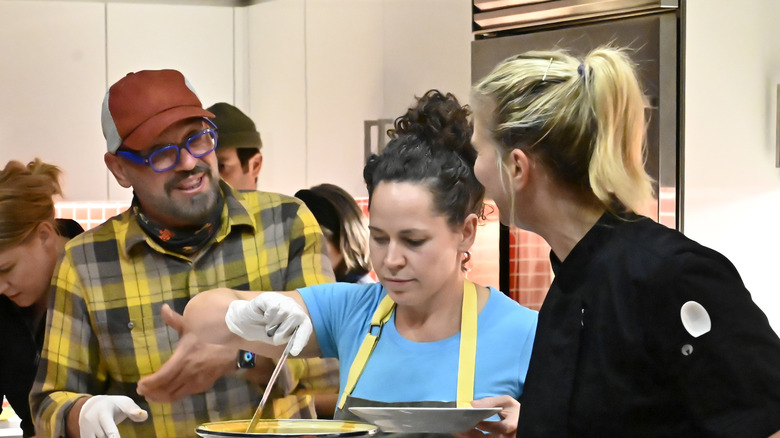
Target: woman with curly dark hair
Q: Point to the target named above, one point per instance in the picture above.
(438, 337)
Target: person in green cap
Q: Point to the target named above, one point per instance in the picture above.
(238, 149)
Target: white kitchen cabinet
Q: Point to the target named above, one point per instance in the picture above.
(60, 56)
(368, 60)
(427, 44)
(276, 66)
(53, 81)
(309, 72)
(315, 74)
(319, 68)
(345, 83)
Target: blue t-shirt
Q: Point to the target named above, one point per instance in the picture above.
(400, 370)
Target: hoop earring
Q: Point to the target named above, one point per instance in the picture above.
(466, 259)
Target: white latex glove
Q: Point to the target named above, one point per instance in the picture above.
(252, 319)
(101, 413)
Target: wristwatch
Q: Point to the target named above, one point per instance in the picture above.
(246, 359)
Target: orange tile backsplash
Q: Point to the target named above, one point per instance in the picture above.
(530, 273)
(89, 214)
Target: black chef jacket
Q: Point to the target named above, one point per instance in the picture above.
(20, 347)
(612, 358)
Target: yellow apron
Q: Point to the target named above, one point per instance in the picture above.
(468, 346)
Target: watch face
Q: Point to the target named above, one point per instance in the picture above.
(246, 359)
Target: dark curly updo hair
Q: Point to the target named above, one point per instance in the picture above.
(431, 144)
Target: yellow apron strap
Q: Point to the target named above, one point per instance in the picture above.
(381, 316)
(468, 346)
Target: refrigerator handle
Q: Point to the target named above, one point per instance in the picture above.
(374, 143)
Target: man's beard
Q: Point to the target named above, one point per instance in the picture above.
(197, 209)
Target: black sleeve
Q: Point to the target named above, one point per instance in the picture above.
(730, 376)
(69, 228)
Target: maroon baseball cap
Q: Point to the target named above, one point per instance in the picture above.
(140, 106)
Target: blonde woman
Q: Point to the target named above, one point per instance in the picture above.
(31, 242)
(560, 149)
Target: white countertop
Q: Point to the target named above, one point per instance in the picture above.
(10, 427)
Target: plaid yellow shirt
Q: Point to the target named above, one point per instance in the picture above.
(104, 329)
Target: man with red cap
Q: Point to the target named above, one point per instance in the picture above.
(112, 322)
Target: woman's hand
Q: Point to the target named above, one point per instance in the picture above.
(271, 318)
(505, 428)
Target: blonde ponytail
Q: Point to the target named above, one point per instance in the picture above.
(616, 172)
(584, 121)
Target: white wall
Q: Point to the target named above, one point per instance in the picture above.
(427, 44)
(732, 188)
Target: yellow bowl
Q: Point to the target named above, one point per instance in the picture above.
(286, 428)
